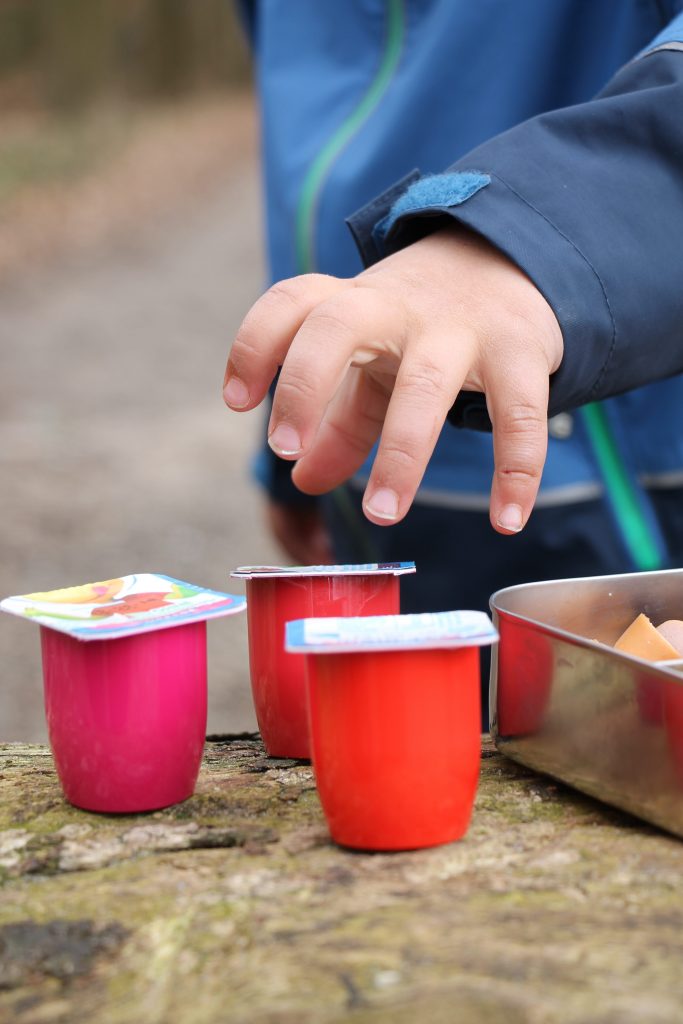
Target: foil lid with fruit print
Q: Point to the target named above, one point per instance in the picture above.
(139, 603)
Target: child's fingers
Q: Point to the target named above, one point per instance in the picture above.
(353, 327)
(428, 380)
(265, 335)
(351, 426)
(517, 397)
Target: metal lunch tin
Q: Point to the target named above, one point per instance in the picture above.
(565, 703)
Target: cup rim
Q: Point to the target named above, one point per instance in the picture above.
(265, 572)
(400, 632)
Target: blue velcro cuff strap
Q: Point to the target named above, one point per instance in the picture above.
(434, 192)
(670, 38)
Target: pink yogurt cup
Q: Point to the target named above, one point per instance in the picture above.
(126, 716)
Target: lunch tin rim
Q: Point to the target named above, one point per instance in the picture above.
(665, 667)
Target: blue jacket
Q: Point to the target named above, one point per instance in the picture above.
(561, 124)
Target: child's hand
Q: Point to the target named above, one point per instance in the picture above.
(388, 351)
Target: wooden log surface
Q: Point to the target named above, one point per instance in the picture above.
(236, 907)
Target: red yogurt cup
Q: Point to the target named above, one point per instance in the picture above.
(278, 679)
(396, 744)
(126, 717)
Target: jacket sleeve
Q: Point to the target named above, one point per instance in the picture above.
(588, 202)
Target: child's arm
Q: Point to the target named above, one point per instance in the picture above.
(586, 201)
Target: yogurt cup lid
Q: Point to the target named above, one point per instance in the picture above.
(125, 606)
(255, 572)
(390, 633)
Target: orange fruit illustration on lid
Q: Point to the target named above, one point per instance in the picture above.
(131, 605)
(87, 593)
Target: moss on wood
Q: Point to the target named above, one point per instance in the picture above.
(235, 906)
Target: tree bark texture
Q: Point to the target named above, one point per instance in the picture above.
(236, 907)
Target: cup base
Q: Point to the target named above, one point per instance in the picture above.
(121, 808)
(288, 752)
(396, 745)
(400, 845)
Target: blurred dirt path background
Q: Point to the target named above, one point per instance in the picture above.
(117, 453)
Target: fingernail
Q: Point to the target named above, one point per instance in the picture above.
(236, 393)
(383, 504)
(511, 518)
(285, 440)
